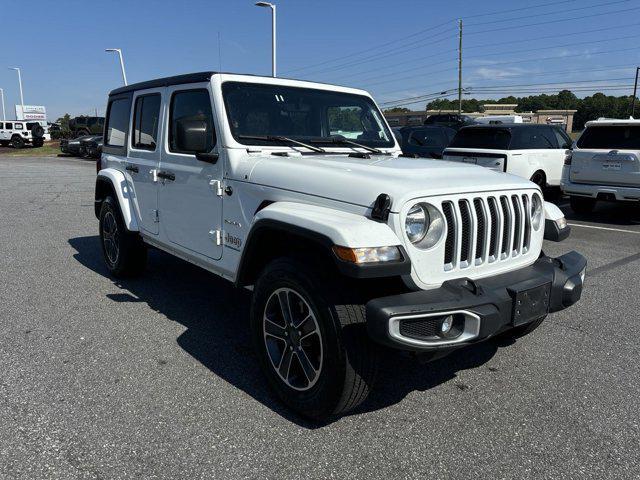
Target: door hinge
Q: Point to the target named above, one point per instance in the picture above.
(156, 216)
(216, 235)
(216, 185)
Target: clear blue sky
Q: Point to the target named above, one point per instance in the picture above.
(395, 49)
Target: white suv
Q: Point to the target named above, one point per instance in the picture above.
(536, 152)
(18, 133)
(348, 246)
(605, 164)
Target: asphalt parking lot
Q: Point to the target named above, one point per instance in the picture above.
(156, 378)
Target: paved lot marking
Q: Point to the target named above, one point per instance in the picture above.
(603, 228)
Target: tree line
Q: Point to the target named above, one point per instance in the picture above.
(587, 108)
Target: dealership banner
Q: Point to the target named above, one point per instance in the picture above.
(31, 112)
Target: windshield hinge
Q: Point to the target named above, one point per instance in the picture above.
(216, 235)
(216, 185)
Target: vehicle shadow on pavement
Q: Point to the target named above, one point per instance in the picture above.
(216, 316)
(620, 214)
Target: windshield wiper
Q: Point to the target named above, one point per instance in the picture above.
(344, 141)
(278, 138)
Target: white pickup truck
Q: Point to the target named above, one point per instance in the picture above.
(299, 190)
(604, 165)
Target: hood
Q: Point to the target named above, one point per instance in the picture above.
(359, 181)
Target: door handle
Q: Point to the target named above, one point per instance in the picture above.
(132, 168)
(166, 175)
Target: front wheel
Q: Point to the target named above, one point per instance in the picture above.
(313, 347)
(17, 142)
(582, 205)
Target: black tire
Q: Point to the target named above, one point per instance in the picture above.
(81, 133)
(124, 252)
(526, 329)
(348, 361)
(17, 141)
(582, 205)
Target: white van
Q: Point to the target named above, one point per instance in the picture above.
(605, 164)
(536, 152)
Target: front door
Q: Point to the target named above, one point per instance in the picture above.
(188, 197)
(144, 155)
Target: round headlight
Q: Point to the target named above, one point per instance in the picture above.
(424, 225)
(536, 211)
(416, 222)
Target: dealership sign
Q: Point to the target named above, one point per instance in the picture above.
(31, 112)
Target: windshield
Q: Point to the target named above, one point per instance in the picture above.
(304, 114)
(487, 138)
(620, 137)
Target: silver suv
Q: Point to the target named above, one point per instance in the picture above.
(605, 164)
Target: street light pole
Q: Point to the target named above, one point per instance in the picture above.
(119, 51)
(273, 34)
(635, 90)
(17, 69)
(4, 116)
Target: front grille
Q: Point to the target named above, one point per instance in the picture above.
(486, 229)
(420, 329)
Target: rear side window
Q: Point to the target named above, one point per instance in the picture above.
(118, 122)
(427, 138)
(190, 109)
(146, 117)
(620, 137)
(532, 138)
(19, 126)
(489, 138)
(563, 139)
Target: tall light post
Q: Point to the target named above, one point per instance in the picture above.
(4, 116)
(273, 34)
(119, 51)
(17, 69)
(635, 89)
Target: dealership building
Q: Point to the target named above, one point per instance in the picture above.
(553, 117)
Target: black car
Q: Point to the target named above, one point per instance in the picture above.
(85, 142)
(73, 147)
(451, 120)
(94, 148)
(427, 141)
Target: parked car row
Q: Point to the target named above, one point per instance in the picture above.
(86, 146)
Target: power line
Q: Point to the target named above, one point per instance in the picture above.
(430, 29)
(493, 30)
(540, 5)
(596, 5)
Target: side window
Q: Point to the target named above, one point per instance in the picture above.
(117, 122)
(19, 126)
(92, 121)
(563, 139)
(532, 138)
(9, 126)
(146, 116)
(1, 125)
(190, 114)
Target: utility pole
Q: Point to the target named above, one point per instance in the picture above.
(4, 117)
(635, 90)
(459, 66)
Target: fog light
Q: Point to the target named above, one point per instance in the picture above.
(451, 326)
(446, 325)
(562, 223)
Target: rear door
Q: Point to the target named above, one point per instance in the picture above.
(190, 202)
(3, 135)
(607, 155)
(144, 155)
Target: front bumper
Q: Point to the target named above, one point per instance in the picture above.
(488, 306)
(601, 192)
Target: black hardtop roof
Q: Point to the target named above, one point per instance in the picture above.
(192, 78)
(505, 126)
(165, 82)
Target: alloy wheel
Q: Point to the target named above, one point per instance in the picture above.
(110, 237)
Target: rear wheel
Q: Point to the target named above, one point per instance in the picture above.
(124, 252)
(17, 141)
(582, 205)
(313, 346)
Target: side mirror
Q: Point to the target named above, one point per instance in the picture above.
(193, 135)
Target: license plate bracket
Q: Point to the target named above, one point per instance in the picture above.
(530, 303)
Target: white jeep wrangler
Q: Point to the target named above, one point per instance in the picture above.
(18, 133)
(604, 165)
(299, 190)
